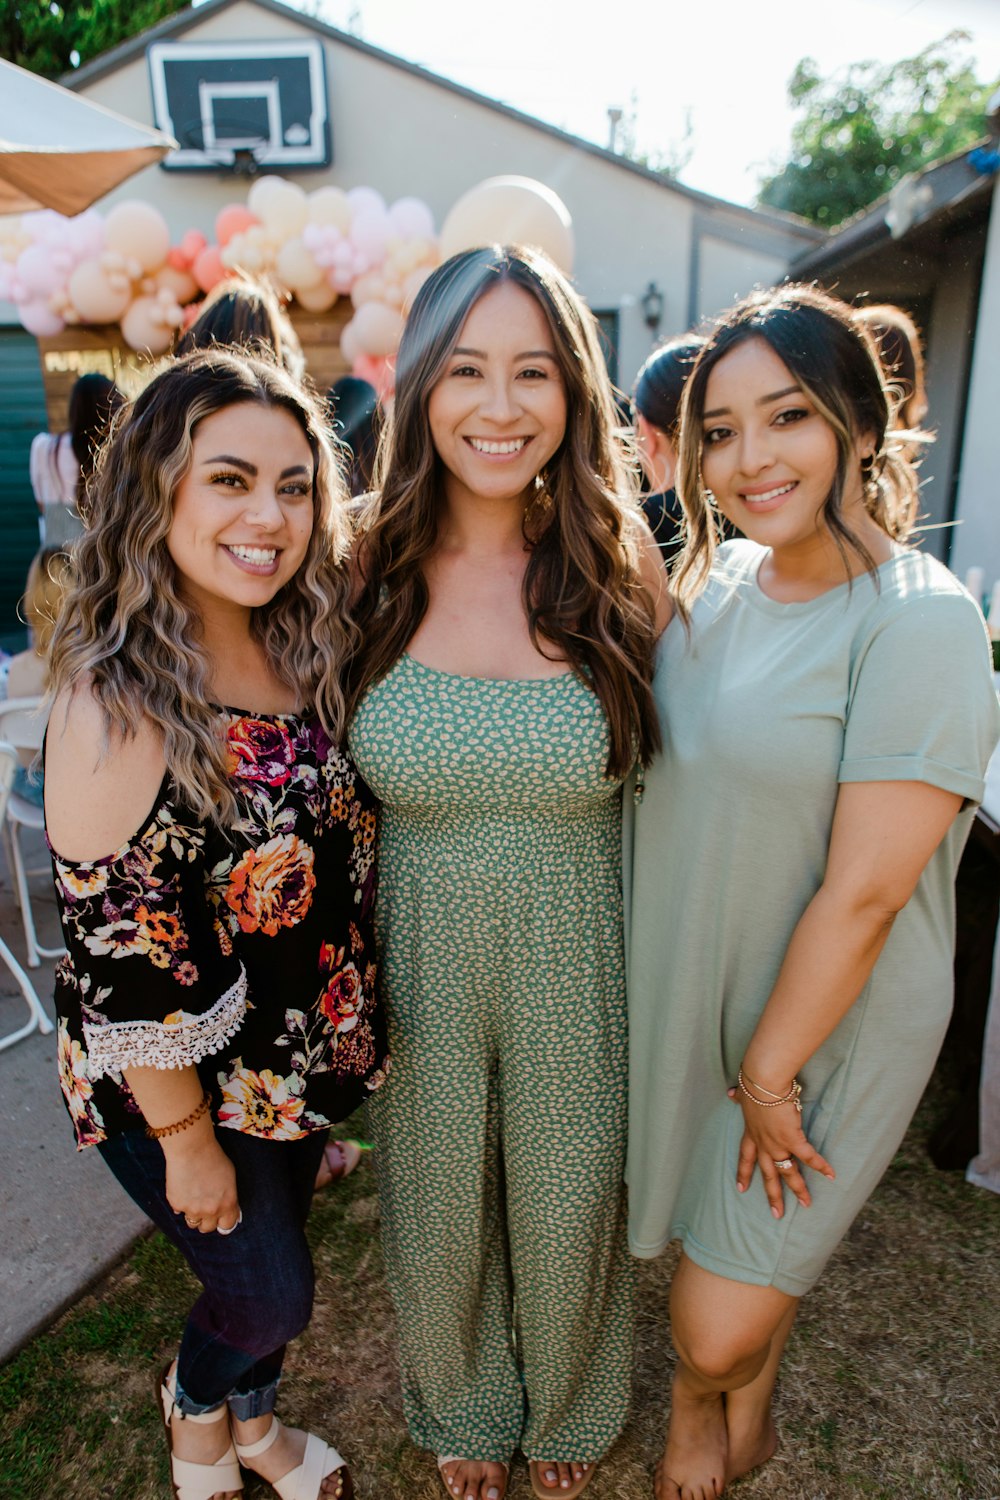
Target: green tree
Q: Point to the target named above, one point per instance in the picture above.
(50, 38)
(863, 129)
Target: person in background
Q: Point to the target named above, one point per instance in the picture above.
(60, 464)
(656, 405)
(245, 313)
(354, 409)
(27, 674)
(897, 339)
(509, 596)
(213, 851)
(827, 720)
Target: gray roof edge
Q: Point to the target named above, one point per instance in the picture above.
(951, 179)
(177, 24)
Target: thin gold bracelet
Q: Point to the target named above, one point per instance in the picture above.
(157, 1132)
(794, 1095)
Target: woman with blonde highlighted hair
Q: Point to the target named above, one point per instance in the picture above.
(828, 716)
(213, 853)
(509, 599)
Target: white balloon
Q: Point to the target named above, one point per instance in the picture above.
(510, 211)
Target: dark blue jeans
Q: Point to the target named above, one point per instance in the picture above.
(258, 1281)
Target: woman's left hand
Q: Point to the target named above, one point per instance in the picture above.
(770, 1136)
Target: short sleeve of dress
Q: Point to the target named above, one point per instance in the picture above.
(922, 702)
(149, 967)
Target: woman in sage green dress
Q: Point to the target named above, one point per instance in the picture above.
(827, 720)
(507, 610)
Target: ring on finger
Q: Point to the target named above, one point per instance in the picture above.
(785, 1165)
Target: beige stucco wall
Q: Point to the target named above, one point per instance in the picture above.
(405, 135)
(977, 534)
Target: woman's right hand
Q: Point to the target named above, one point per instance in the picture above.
(201, 1184)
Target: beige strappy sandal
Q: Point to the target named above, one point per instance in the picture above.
(196, 1481)
(319, 1461)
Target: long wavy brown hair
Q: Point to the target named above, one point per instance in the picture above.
(836, 363)
(125, 626)
(582, 592)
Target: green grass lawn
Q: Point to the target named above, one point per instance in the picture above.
(889, 1389)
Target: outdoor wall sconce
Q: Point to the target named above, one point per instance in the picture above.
(652, 307)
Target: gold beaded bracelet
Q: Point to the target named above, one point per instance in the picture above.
(156, 1132)
(794, 1095)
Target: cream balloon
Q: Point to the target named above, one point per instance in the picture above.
(316, 299)
(97, 296)
(330, 205)
(296, 267)
(139, 232)
(510, 211)
(281, 205)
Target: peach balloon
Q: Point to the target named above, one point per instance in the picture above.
(316, 299)
(235, 218)
(97, 295)
(139, 232)
(208, 268)
(145, 328)
(377, 328)
(181, 285)
(510, 211)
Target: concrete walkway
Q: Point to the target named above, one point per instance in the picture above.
(64, 1220)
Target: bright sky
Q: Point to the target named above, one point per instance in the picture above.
(723, 63)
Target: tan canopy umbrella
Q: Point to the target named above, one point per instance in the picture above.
(60, 151)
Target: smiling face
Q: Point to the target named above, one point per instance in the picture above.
(498, 413)
(243, 513)
(768, 455)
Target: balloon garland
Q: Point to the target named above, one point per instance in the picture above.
(120, 267)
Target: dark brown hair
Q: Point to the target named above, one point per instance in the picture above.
(582, 592)
(836, 364)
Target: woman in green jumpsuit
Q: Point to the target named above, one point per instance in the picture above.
(508, 609)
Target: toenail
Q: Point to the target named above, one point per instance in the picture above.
(493, 1493)
(550, 1474)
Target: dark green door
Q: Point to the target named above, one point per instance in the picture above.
(22, 414)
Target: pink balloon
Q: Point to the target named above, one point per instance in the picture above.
(369, 232)
(364, 199)
(38, 318)
(412, 219)
(378, 372)
(36, 272)
(208, 268)
(235, 218)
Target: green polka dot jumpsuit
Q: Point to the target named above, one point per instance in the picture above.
(501, 1132)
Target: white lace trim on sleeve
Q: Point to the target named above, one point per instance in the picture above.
(176, 1042)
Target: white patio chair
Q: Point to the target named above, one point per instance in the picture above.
(23, 726)
(37, 1019)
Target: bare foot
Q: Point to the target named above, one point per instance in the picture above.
(470, 1479)
(284, 1455)
(753, 1437)
(693, 1466)
(339, 1160)
(558, 1476)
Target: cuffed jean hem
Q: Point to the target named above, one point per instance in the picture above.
(244, 1405)
(253, 1403)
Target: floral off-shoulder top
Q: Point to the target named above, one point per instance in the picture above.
(249, 953)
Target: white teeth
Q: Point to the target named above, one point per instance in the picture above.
(257, 555)
(768, 495)
(513, 446)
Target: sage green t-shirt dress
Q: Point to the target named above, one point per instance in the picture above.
(766, 710)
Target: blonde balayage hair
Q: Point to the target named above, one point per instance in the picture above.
(126, 627)
(836, 363)
(582, 592)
